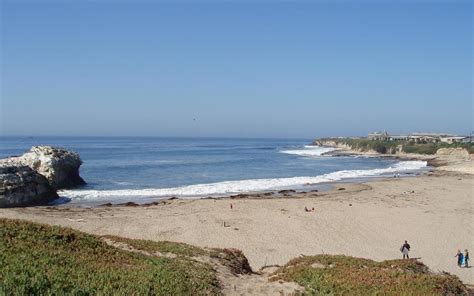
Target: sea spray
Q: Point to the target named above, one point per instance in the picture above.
(310, 151)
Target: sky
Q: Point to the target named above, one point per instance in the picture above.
(273, 69)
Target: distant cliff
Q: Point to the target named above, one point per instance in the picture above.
(363, 145)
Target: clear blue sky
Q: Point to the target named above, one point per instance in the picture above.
(235, 68)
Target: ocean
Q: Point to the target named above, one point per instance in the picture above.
(137, 169)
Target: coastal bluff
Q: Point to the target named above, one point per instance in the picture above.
(454, 157)
(34, 177)
(397, 148)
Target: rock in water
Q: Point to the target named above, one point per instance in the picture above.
(59, 166)
(34, 177)
(22, 186)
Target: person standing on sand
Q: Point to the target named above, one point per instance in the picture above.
(460, 258)
(466, 258)
(405, 249)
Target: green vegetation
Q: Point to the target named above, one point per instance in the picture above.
(391, 147)
(343, 275)
(38, 259)
(421, 148)
(431, 148)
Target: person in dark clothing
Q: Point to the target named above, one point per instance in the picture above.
(460, 258)
(466, 258)
(405, 249)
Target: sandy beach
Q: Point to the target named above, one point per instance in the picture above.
(434, 212)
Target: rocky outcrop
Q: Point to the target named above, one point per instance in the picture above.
(22, 186)
(343, 148)
(331, 143)
(457, 153)
(34, 177)
(59, 166)
(234, 259)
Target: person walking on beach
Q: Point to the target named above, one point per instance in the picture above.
(460, 258)
(466, 258)
(405, 249)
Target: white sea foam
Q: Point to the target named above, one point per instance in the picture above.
(310, 151)
(122, 183)
(229, 187)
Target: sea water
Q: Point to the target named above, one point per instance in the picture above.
(141, 169)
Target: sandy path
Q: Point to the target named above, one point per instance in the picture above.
(434, 213)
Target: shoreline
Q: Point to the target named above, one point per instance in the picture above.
(312, 185)
(319, 189)
(264, 195)
(291, 192)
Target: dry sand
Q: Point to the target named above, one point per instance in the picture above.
(433, 212)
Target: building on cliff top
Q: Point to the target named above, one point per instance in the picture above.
(379, 136)
(419, 137)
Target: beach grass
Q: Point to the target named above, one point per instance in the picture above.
(344, 275)
(37, 259)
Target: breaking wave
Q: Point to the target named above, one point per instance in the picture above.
(310, 151)
(232, 187)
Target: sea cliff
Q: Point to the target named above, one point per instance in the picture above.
(367, 146)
